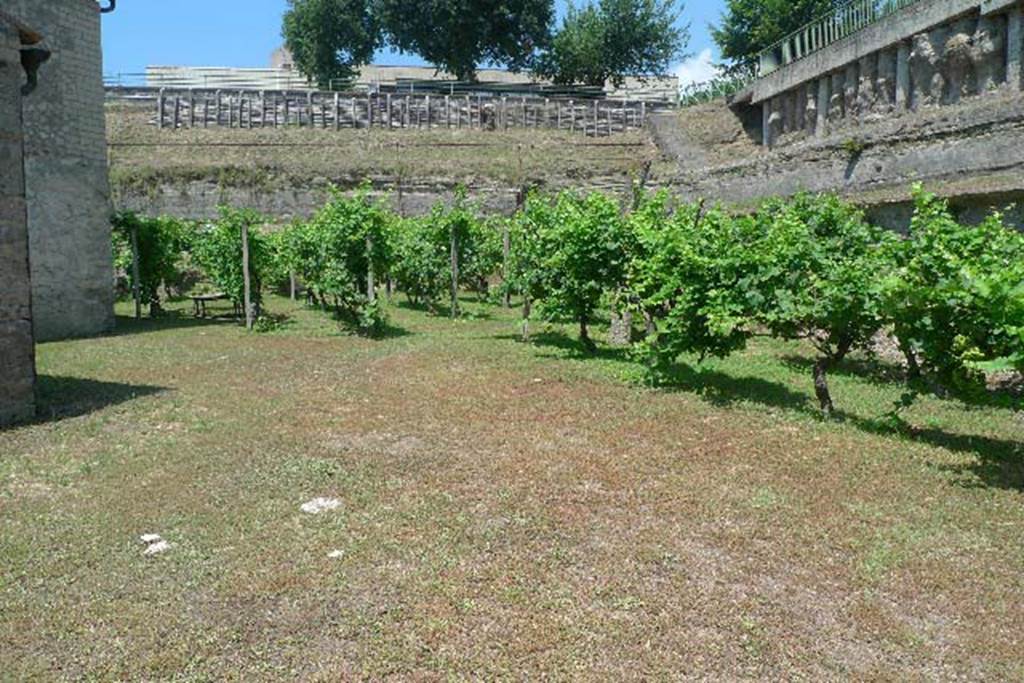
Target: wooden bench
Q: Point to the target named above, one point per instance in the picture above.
(199, 302)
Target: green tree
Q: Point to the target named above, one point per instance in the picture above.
(612, 39)
(459, 35)
(331, 39)
(818, 276)
(749, 26)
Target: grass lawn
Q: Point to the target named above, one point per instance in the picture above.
(508, 510)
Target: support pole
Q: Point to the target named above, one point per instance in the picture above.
(371, 287)
(136, 294)
(245, 277)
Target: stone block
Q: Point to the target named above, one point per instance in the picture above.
(17, 372)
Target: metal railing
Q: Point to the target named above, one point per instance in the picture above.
(843, 21)
(724, 85)
(214, 78)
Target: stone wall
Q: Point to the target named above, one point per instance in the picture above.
(66, 172)
(934, 54)
(199, 199)
(972, 154)
(17, 366)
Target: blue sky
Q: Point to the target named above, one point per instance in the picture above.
(244, 32)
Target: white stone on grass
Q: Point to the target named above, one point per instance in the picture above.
(155, 544)
(157, 548)
(318, 505)
(336, 554)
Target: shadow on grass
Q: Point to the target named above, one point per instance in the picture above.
(59, 398)
(171, 320)
(881, 373)
(571, 347)
(872, 370)
(1000, 462)
(440, 310)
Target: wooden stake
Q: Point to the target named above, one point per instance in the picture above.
(455, 273)
(371, 287)
(135, 272)
(506, 254)
(245, 276)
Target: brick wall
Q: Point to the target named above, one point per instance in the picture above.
(17, 367)
(66, 172)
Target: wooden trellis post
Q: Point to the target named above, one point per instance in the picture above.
(245, 277)
(135, 272)
(337, 111)
(371, 287)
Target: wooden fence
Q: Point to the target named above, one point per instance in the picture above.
(334, 111)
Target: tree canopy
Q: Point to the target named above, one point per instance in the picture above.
(749, 26)
(612, 39)
(330, 39)
(458, 35)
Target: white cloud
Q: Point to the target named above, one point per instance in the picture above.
(699, 69)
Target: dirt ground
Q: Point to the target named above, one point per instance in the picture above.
(508, 511)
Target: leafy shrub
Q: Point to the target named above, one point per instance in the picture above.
(422, 261)
(577, 251)
(337, 252)
(161, 242)
(481, 253)
(956, 300)
(689, 276)
(218, 248)
(819, 276)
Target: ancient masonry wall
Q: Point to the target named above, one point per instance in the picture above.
(17, 366)
(933, 54)
(66, 172)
